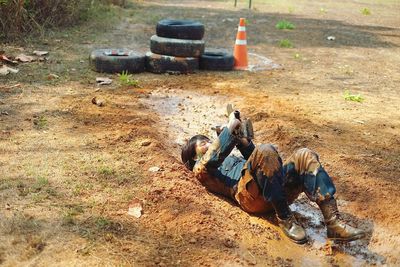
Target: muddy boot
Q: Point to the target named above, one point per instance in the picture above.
(292, 229)
(337, 229)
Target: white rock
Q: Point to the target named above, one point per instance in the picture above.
(154, 169)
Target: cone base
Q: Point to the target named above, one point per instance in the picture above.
(240, 67)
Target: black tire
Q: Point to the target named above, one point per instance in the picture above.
(176, 47)
(180, 29)
(168, 64)
(117, 61)
(216, 59)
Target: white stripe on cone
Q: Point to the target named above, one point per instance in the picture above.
(241, 42)
(241, 28)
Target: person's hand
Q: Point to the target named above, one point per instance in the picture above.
(233, 123)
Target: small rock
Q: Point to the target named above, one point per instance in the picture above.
(142, 161)
(154, 169)
(4, 113)
(98, 102)
(331, 38)
(103, 80)
(135, 208)
(40, 53)
(146, 143)
(192, 241)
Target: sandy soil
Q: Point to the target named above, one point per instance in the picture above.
(71, 169)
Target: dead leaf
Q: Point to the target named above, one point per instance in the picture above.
(24, 58)
(40, 53)
(52, 76)
(11, 86)
(6, 59)
(103, 80)
(4, 70)
(135, 208)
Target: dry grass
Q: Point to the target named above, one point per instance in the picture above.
(21, 17)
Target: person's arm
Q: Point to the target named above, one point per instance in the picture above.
(206, 168)
(218, 151)
(245, 147)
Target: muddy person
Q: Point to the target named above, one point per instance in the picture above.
(259, 181)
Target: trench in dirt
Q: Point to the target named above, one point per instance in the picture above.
(184, 114)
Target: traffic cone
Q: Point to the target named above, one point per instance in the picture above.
(240, 51)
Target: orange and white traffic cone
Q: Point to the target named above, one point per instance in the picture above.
(240, 51)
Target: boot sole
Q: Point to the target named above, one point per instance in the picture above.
(356, 237)
(300, 242)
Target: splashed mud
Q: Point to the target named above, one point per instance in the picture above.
(185, 114)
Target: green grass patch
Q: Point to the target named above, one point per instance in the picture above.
(106, 171)
(40, 183)
(40, 123)
(365, 11)
(352, 97)
(284, 25)
(285, 43)
(102, 223)
(126, 79)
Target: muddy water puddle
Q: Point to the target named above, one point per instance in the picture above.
(185, 114)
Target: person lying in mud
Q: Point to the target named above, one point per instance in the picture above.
(260, 182)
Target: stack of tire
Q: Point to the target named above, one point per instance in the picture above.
(176, 47)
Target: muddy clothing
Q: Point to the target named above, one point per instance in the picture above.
(260, 179)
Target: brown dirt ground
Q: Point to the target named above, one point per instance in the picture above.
(71, 168)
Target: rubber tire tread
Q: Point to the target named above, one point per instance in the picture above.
(132, 63)
(180, 29)
(168, 64)
(176, 47)
(215, 59)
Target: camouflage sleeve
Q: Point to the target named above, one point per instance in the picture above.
(246, 149)
(218, 150)
(206, 169)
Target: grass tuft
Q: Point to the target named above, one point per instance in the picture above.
(351, 97)
(106, 171)
(40, 183)
(40, 123)
(284, 25)
(126, 79)
(285, 43)
(102, 223)
(365, 11)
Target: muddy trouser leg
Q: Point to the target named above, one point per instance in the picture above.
(266, 166)
(303, 173)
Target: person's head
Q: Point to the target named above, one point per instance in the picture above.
(194, 149)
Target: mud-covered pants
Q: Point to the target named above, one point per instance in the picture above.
(265, 179)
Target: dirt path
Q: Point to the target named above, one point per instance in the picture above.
(71, 168)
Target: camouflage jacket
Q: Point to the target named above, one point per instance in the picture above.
(218, 171)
